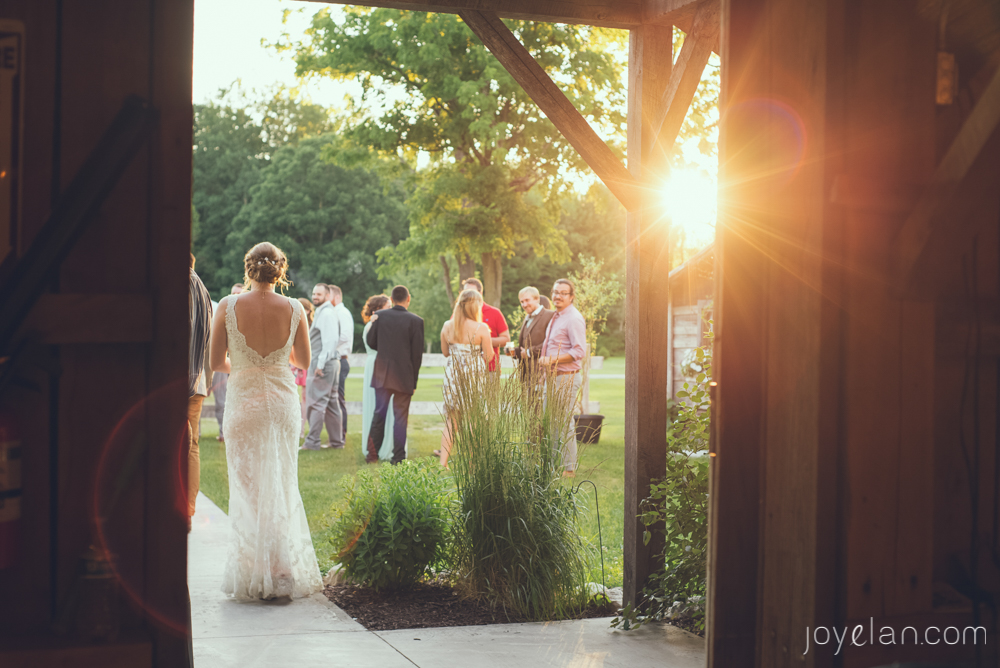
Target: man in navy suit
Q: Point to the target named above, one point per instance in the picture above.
(398, 336)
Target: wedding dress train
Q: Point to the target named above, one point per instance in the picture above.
(270, 552)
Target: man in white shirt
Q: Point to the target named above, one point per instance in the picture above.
(344, 347)
(322, 406)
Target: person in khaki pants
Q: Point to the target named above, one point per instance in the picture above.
(199, 371)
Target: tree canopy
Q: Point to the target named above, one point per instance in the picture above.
(329, 220)
(498, 165)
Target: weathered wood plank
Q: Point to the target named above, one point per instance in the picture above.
(892, 101)
(169, 228)
(91, 318)
(648, 269)
(734, 483)
(911, 588)
(115, 36)
(607, 13)
(503, 44)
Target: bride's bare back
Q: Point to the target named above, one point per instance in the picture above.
(264, 318)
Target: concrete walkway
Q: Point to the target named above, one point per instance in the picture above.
(308, 633)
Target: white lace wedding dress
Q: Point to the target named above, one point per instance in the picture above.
(270, 552)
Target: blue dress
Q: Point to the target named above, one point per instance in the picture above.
(368, 405)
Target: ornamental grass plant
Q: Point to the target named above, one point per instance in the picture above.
(515, 541)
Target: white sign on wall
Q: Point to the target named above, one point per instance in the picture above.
(11, 126)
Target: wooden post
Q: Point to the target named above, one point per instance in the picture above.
(648, 269)
(734, 484)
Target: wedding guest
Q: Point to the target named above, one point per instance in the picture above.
(300, 374)
(220, 381)
(344, 347)
(398, 336)
(546, 304)
(322, 406)
(494, 320)
(561, 355)
(465, 340)
(374, 304)
(200, 316)
(532, 335)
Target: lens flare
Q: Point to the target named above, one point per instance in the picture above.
(119, 495)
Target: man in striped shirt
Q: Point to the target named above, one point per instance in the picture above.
(199, 373)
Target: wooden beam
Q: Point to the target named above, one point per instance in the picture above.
(686, 74)
(647, 271)
(669, 12)
(92, 318)
(606, 13)
(678, 13)
(516, 59)
(933, 211)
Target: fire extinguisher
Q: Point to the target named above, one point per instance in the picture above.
(10, 492)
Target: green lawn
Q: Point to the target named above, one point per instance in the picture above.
(320, 472)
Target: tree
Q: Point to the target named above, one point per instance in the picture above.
(498, 165)
(329, 220)
(234, 137)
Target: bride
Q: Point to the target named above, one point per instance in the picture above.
(271, 552)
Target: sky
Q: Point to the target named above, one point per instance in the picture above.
(227, 47)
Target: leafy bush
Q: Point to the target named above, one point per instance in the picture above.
(679, 504)
(516, 539)
(392, 524)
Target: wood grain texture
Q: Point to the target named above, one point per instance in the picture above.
(169, 229)
(90, 318)
(516, 59)
(607, 13)
(734, 483)
(647, 276)
(887, 554)
(790, 216)
(115, 35)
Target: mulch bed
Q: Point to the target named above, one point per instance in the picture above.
(424, 606)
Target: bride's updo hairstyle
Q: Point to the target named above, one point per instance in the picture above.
(265, 263)
(374, 303)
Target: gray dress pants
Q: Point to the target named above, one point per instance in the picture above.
(323, 406)
(345, 368)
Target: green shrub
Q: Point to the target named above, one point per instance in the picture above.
(516, 539)
(392, 524)
(678, 506)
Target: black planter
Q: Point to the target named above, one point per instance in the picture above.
(588, 428)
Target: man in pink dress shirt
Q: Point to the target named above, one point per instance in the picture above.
(562, 354)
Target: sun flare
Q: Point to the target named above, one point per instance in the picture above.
(689, 199)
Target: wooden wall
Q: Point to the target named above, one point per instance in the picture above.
(838, 490)
(116, 328)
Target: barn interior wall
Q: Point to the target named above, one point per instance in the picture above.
(108, 422)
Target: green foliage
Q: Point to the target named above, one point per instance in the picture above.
(497, 164)
(329, 220)
(597, 292)
(516, 528)
(677, 505)
(392, 524)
